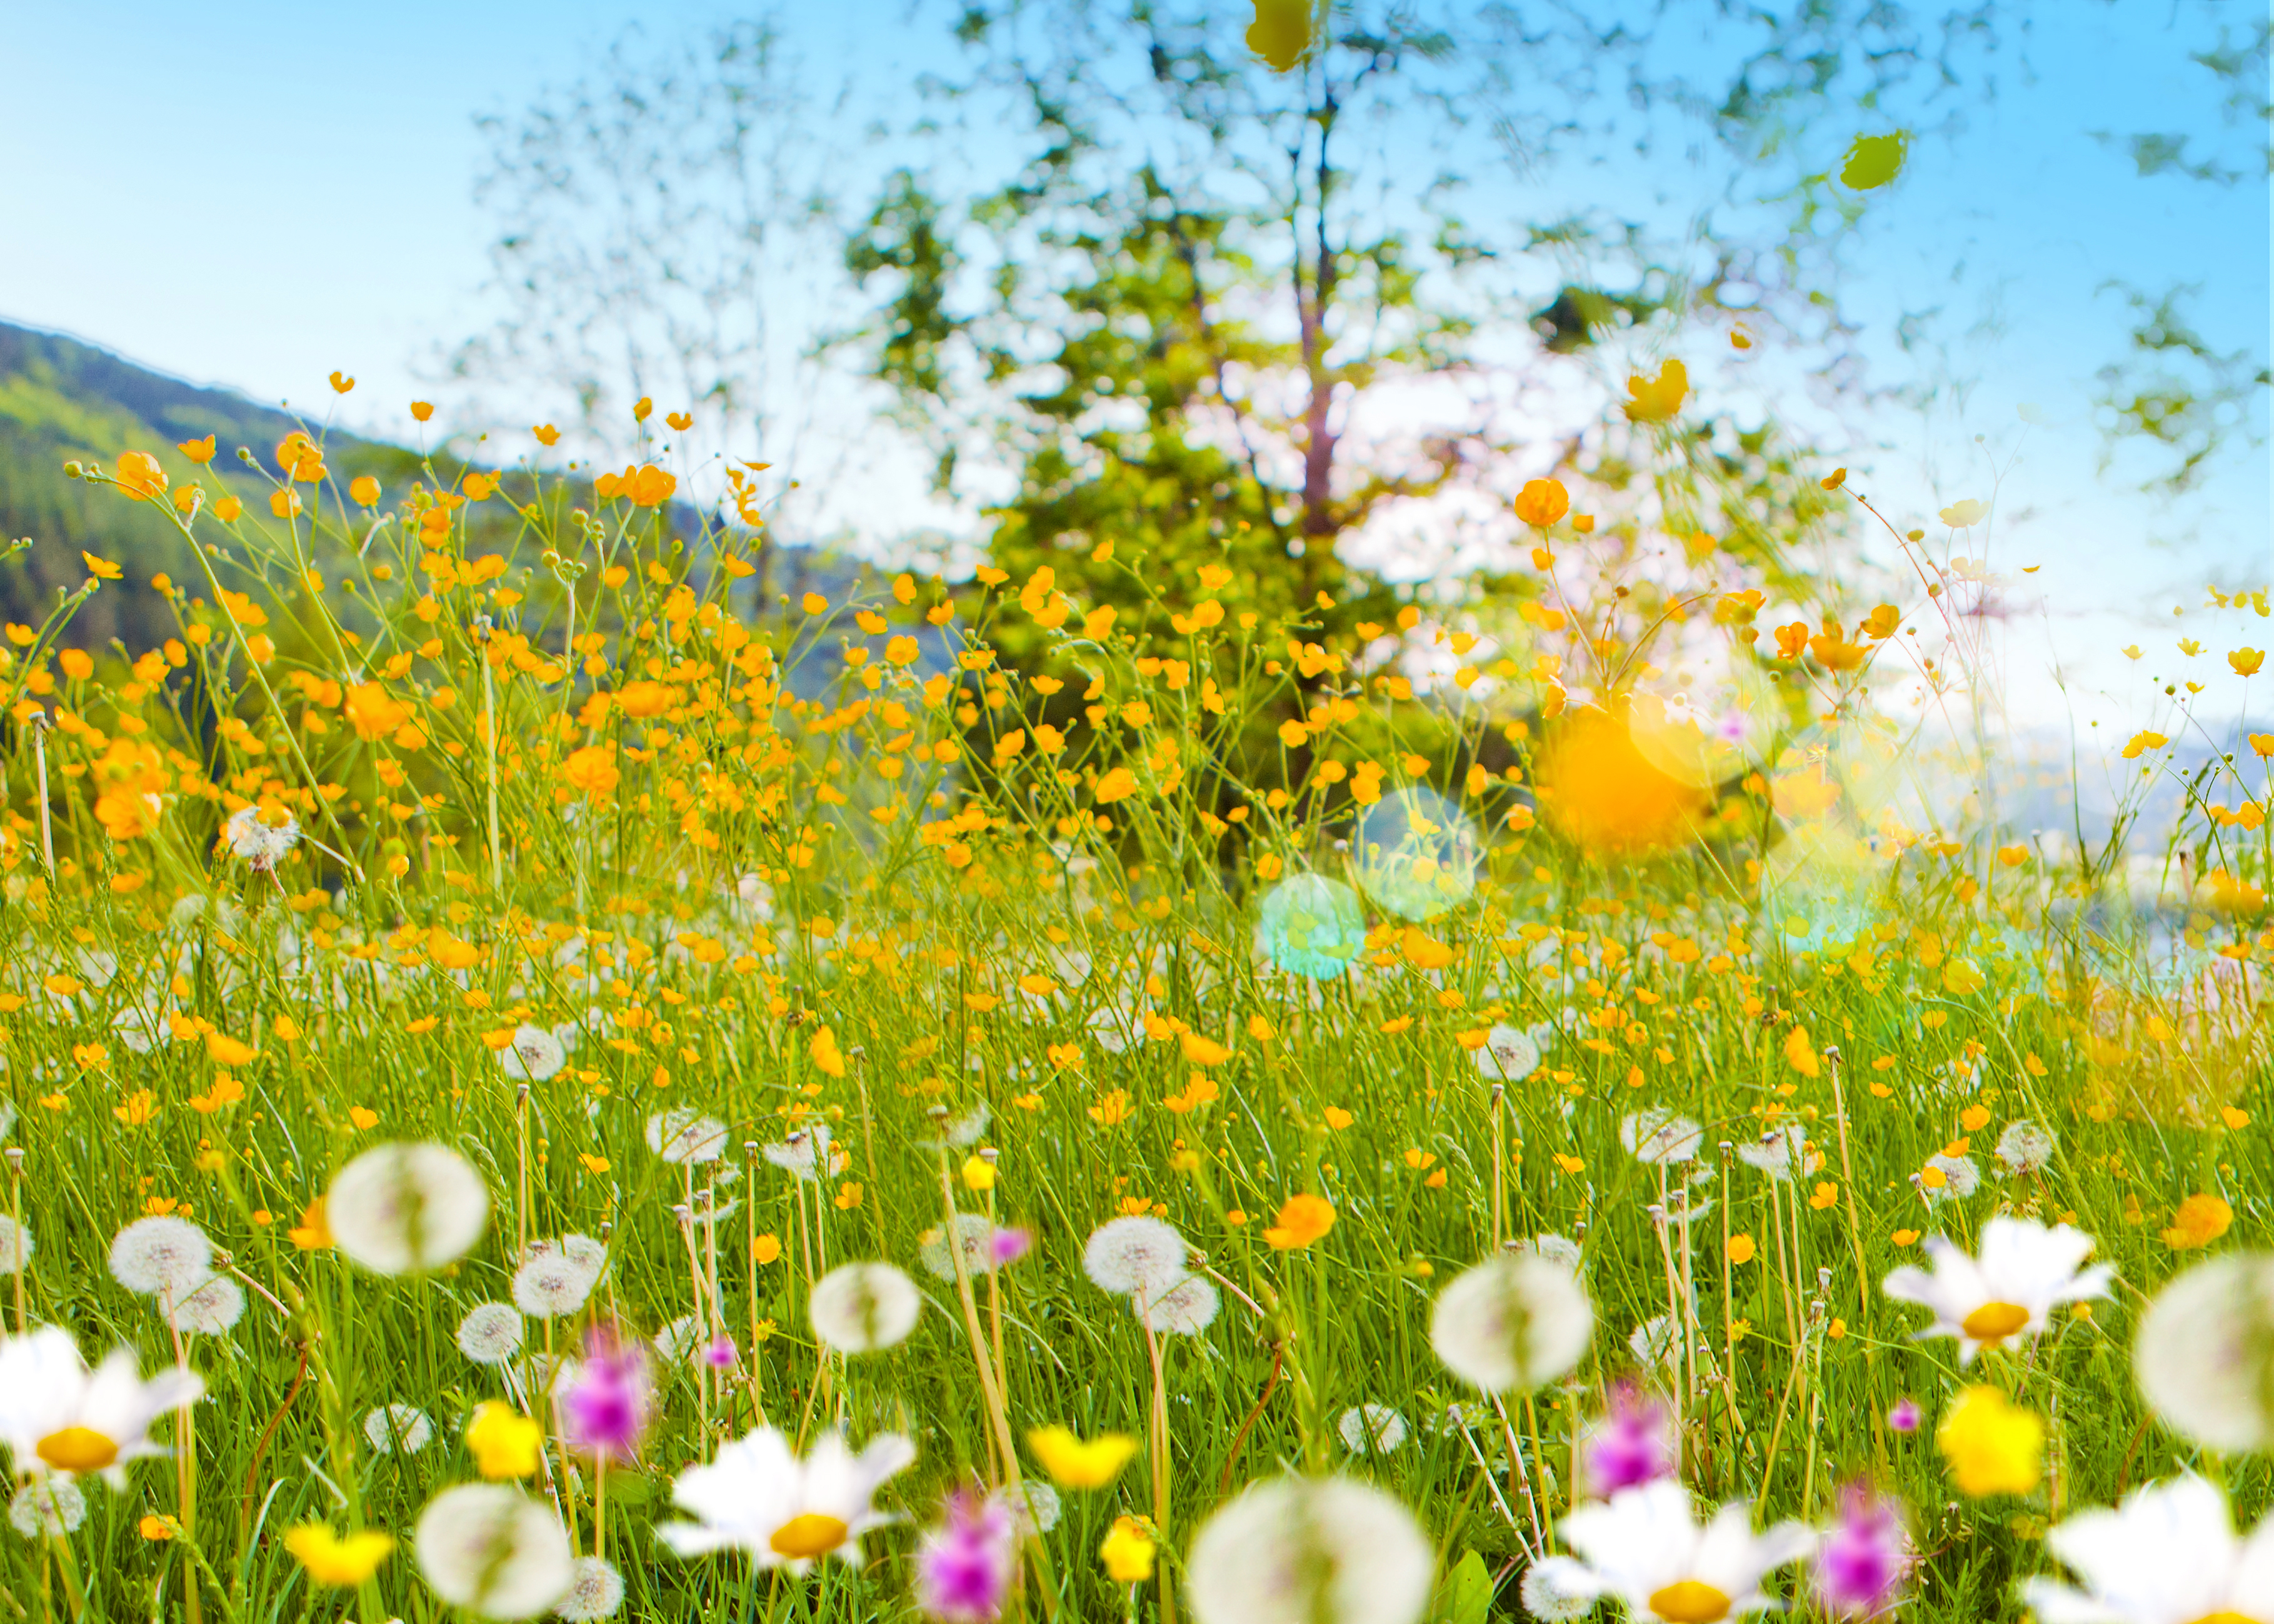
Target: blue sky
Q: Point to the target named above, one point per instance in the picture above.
(255, 194)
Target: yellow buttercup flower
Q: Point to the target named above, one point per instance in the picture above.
(331, 1560)
(1127, 1553)
(1304, 1219)
(1992, 1448)
(505, 1445)
(1075, 1464)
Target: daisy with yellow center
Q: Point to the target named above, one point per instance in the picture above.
(2024, 1271)
(55, 1414)
(755, 1495)
(1644, 1546)
(2169, 1554)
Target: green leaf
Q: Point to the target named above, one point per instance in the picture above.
(1874, 160)
(1466, 1597)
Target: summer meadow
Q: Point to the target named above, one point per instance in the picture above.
(1404, 946)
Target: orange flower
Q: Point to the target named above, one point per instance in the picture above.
(140, 475)
(592, 770)
(642, 409)
(2247, 661)
(1304, 1219)
(422, 410)
(198, 450)
(641, 700)
(2143, 741)
(1602, 792)
(312, 1234)
(546, 434)
(1657, 399)
(1542, 501)
(2198, 1221)
(373, 713)
(680, 420)
(364, 490)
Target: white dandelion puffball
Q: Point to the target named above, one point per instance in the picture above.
(50, 1507)
(1035, 1505)
(1509, 1055)
(1655, 1342)
(1780, 1152)
(533, 1055)
(2204, 1352)
(404, 1208)
(212, 1305)
(398, 1428)
(676, 1343)
(1370, 1429)
(805, 1154)
(1960, 1174)
(1184, 1309)
(1512, 1321)
(155, 1255)
(684, 1134)
(977, 1236)
(2024, 1147)
(8, 1117)
(1558, 1249)
(263, 844)
(492, 1550)
(1125, 1254)
(861, 1307)
(552, 1285)
(1310, 1550)
(16, 1246)
(1658, 1137)
(491, 1332)
(1546, 1594)
(596, 1589)
(586, 1254)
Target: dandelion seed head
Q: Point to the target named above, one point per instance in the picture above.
(1547, 1593)
(49, 1507)
(676, 1343)
(596, 1590)
(978, 1237)
(861, 1307)
(1034, 1504)
(16, 1248)
(1961, 1177)
(398, 1428)
(1779, 1153)
(1658, 1137)
(161, 1255)
(1511, 1321)
(491, 1332)
(1125, 1254)
(1310, 1550)
(212, 1307)
(805, 1154)
(2204, 1352)
(1370, 1429)
(533, 1055)
(1509, 1055)
(551, 1285)
(494, 1551)
(684, 1135)
(1184, 1309)
(400, 1208)
(2024, 1147)
(1560, 1250)
(260, 843)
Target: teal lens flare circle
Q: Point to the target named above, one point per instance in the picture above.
(1416, 853)
(1310, 925)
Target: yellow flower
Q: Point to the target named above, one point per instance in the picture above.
(978, 1173)
(505, 1445)
(1740, 1249)
(1799, 1053)
(1992, 1448)
(1075, 1464)
(2198, 1221)
(765, 1249)
(1203, 1051)
(1823, 1195)
(1127, 1553)
(1304, 1219)
(825, 1053)
(330, 1560)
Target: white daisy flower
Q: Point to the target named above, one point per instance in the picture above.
(2024, 1147)
(493, 1550)
(491, 1333)
(154, 1256)
(596, 1590)
(683, 1135)
(400, 1208)
(1310, 1550)
(1643, 1547)
(261, 843)
(56, 1414)
(533, 1055)
(2024, 1271)
(755, 1495)
(1509, 1055)
(1512, 1321)
(398, 1429)
(1658, 1137)
(1125, 1254)
(48, 1506)
(2204, 1352)
(1370, 1429)
(1185, 1308)
(861, 1307)
(16, 1246)
(2168, 1555)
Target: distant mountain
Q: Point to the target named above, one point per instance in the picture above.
(61, 399)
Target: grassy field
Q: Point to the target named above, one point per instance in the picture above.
(1690, 1027)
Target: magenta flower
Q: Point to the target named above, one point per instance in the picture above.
(604, 1408)
(964, 1566)
(1011, 1245)
(1904, 1417)
(720, 1353)
(1631, 1445)
(1863, 1561)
